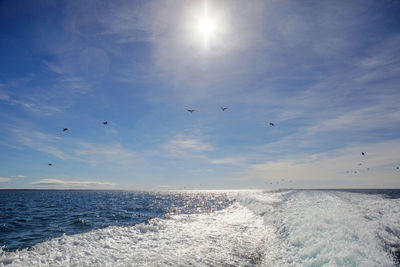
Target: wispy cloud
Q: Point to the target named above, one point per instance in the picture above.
(18, 176)
(332, 167)
(36, 140)
(73, 184)
(34, 102)
(186, 148)
(229, 161)
(100, 153)
(53, 67)
(21, 133)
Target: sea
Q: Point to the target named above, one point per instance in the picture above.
(200, 228)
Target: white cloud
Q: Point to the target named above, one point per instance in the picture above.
(19, 176)
(53, 67)
(229, 161)
(331, 167)
(3, 180)
(37, 140)
(375, 117)
(186, 148)
(100, 153)
(74, 184)
(21, 133)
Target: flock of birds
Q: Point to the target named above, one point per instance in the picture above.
(270, 124)
(367, 168)
(66, 129)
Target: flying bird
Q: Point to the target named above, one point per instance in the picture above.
(397, 168)
(65, 129)
(50, 164)
(222, 108)
(105, 123)
(191, 110)
(271, 124)
(362, 153)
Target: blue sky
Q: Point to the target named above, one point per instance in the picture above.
(326, 73)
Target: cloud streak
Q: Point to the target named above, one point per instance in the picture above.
(73, 184)
(335, 168)
(18, 176)
(183, 148)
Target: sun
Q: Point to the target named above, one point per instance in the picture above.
(206, 25)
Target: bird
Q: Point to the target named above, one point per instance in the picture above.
(50, 164)
(222, 108)
(397, 168)
(191, 110)
(360, 164)
(65, 129)
(271, 124)
(362, 153)
(105, 123)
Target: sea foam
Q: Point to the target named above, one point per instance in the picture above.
(281, 228)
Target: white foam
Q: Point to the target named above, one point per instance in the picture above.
(286, 228)
(234, 236)
(332, 228)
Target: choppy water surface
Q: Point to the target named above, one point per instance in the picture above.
(242, 228)
(28, 217)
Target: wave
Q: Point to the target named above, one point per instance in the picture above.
(337, 228)
(276, 228)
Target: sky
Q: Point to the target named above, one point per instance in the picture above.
(325, 73)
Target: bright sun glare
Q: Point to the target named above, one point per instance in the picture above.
(206, 26)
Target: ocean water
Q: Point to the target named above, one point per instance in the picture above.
(203, 228)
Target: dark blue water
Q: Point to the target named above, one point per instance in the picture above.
(31, 216)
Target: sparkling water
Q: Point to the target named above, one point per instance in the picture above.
(203, 228)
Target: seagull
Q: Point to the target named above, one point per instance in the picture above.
(105, 123)
(271, 124)
(50, 164)
(222, 108)
(65, 129)
(362, 153)
(191, 110)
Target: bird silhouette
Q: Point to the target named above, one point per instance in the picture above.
(271, 124)
(191, 110)
(397, 168)
(105, 123)
(65, 129)
(222, 108)
(50, 164)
